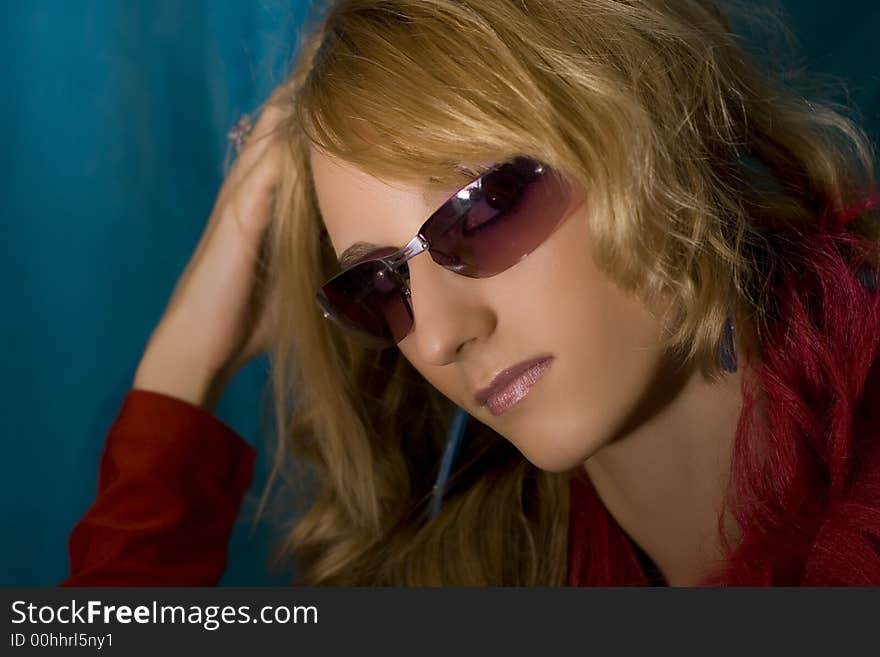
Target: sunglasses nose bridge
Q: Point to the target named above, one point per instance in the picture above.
(415, 246)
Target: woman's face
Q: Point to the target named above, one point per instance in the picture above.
(553, 302)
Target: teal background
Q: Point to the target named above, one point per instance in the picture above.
(114, 121)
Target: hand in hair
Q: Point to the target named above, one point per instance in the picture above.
(221, 312)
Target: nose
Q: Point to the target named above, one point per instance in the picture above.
(449, 312)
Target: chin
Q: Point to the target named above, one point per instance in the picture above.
(557, 454)
(554, 465)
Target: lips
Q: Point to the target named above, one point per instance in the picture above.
(506, 377)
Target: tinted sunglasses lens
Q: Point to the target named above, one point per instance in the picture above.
(503, 218)
(368, 301)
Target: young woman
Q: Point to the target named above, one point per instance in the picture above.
(641, 267)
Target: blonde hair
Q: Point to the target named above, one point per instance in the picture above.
(654, 108)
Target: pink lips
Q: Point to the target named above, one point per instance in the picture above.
(511, 385)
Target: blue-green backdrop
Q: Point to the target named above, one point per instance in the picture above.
(114, 121)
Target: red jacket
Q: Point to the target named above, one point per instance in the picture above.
(170, 484)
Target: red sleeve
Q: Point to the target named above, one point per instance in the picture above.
(170, 484)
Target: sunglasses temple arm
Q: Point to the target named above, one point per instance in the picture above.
(453, 440)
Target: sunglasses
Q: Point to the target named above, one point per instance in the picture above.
(480, 231)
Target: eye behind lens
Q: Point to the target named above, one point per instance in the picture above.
(501, 193)
(503, 189)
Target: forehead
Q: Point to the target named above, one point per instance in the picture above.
(355, 206)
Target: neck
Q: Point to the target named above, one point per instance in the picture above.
(664, 478)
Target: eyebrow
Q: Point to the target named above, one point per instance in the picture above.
(357, 251)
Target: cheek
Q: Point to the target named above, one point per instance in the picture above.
(607, 353)
(606, 357)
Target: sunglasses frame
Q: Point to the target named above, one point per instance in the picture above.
(420, 243)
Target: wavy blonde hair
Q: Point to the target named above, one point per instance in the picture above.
(652, 106)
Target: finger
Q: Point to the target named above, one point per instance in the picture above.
(251, 152)
(242, 210)
(244, 169)
(261, 136)
(248, 163)
(251, 202)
